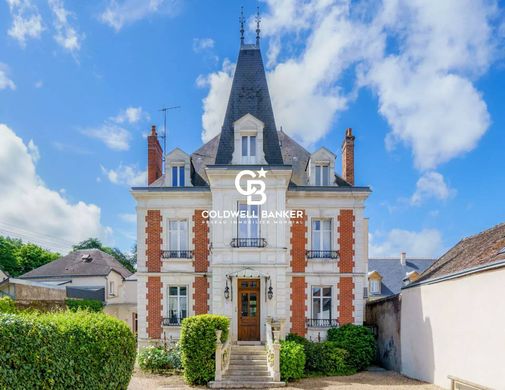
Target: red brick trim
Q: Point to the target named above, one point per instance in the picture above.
(200, 295)
(200, 241)
(154, 306)
(346, 241)
(153, 240)
(298, 305)
(298, 241)
(345, 289)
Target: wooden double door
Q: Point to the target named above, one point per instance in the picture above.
(249, 309)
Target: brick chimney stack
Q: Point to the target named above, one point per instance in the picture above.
(154, 157)
(348, 157)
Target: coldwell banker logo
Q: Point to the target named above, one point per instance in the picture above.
(255, 187)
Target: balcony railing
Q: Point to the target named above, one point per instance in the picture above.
(248, 243)
(332, 255)
(321, 323)
(170, 254)
(172, 321)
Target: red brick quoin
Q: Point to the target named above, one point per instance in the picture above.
(298, 243)
(153, 240)
(154, 302)
(345, 286)
(201, 262)
(200, 295)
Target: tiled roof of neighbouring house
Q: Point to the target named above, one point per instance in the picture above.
(481, 249)
(393, 272)
(84, 262)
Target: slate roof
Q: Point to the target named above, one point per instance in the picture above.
(73, 265)
(481, 249)
(249, 95)
(393, 272)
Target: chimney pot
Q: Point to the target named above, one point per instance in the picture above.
(403, 258)
(348, 157)
(153, 130)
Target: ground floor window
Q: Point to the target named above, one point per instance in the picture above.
(177, 304)
(321, 303)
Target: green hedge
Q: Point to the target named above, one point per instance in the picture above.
(160, 359)
(84, 304)
(326, 358)
(198, 346)
(65, 351)
(7, 305)
(358, 340)
(292, 360)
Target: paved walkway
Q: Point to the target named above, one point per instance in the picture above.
(364, 380)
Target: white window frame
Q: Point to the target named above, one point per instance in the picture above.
(321, 300)
(179, 238)
(111, 288)
(321, 235)
(319, 174)
(249, 223)
(248, 158)
(375, 283)
(178, 297)
(178, 179)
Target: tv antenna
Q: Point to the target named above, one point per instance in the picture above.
(164, 136)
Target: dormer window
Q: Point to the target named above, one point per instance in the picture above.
(178, 176)
(322, 175)
(249, 149)
(375, 287)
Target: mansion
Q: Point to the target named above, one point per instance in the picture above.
(251, 226)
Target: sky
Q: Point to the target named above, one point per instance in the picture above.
(420, 82)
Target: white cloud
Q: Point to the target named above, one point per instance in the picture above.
(130, 115)
(420, 57)
(202, 44)
(33, 151)
(112, 135)
(425, 243)
(33, 210)
(5, 81)
(66, 35)
(129, 175)
(431, 185)
(26, 21)
(119, 13)
(130, 218)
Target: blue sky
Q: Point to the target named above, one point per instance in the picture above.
(422, 85)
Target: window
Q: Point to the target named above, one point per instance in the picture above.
(178, 176)
(248, 221)
(112, 290)
(249, 148)
(322, 175)
(375, 287)
(321, 303)
(177, 304)
(321, 234)
(177, 235)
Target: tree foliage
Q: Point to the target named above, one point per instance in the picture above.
(128, 261)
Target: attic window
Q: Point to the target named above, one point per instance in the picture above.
(249, 148)
(87, 258)
(322, 175)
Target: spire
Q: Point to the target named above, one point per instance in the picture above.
(258, 20)
(241, 20)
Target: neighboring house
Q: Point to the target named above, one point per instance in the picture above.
(3, 275)
(386, 277)
(91, 273)
(204, 247)
(452, 317)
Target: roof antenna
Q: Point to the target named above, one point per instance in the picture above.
(241, 20)
(258, 20)
(164, 136)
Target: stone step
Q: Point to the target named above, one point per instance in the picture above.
(247, 372)
(242, 352)
(239, 365)
(240, 378)
(225, 384)
(248, 357)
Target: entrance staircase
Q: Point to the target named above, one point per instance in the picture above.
(248, 369)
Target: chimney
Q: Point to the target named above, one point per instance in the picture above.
(348, 157)
(154, 157)
(403, 258)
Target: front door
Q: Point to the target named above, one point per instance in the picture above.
(249, 309)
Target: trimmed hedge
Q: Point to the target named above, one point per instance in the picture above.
(326, 358)
(292, 360)
(84, 304)
(198, 346)
(65, 351)
(358, 340)
(7, 305)
(160, 359)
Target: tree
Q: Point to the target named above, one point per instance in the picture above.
(8, 260)
(95, 243)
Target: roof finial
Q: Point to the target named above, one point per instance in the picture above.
(241, 20)
(258, 20)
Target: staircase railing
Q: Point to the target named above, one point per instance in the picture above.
(223, 352)
(273, 347)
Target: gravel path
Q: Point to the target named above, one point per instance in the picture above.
(361, 381)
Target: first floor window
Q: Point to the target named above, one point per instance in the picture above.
(248, 221)
(322, 175)
(177, 304)
(375, 287)
(177, 235)
(178, 176)
(321, 234)
(321, 303)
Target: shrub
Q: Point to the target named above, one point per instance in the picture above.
(297, 339)
(65, 351)
(84, 304)
(198, 346)
(7, 305)
(158, 359)
(292, 360)
(326, 358)
(358, 341)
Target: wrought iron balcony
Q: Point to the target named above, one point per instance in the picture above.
(248, 243)
(332, 255)
(172, 321)
(321, 323)
(170, 254)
